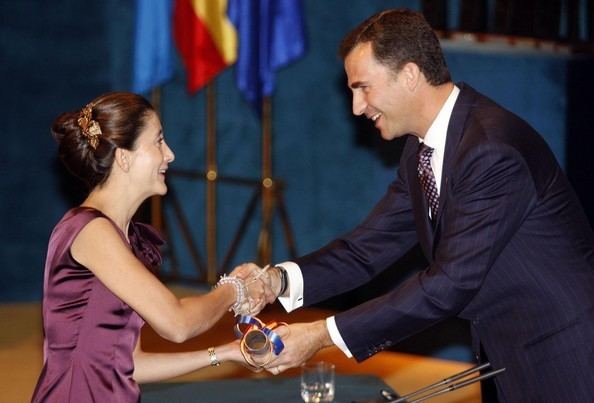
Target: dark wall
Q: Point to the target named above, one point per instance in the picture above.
(56, 57)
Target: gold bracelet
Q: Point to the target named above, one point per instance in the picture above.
(213, 357)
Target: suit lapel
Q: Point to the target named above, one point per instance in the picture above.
(419, 202)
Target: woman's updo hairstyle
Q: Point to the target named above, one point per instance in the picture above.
(88, 137)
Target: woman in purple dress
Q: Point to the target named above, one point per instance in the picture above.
(99, 288)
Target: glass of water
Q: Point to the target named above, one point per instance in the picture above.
(317, 382)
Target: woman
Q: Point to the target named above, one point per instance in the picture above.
(98, 286)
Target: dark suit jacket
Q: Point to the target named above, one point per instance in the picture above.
(511, 252)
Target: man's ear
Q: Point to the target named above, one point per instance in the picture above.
(412, 75)
(122, 158)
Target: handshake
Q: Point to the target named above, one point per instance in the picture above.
(274, 347)
(255, 287)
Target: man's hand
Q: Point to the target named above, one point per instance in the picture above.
(274, 279)
(257, 285)
(302, 341)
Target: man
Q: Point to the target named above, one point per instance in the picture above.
(508, 245)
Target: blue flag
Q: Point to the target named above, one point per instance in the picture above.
(153, 62)
(271, 35)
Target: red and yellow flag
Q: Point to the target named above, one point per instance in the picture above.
(206, 39)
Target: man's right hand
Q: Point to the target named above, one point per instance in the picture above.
(302, 341)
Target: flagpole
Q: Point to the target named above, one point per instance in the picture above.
(265, 238)
(211, 184)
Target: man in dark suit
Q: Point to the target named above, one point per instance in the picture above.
(508, 245)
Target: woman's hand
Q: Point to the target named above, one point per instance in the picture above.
(232, 352)
(258, 288)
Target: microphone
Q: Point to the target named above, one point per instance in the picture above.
(441, 387)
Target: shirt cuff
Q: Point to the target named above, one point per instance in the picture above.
(294, 299)
(336, 337)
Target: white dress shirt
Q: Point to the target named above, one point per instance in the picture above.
(436, 139)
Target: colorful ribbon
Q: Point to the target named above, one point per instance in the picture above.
(251, 330)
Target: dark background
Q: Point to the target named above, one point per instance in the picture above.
(56, 56)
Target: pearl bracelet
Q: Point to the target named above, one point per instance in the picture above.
(239, 289)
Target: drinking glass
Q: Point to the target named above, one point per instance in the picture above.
(317, 382)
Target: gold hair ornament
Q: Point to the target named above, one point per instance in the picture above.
(90, 128)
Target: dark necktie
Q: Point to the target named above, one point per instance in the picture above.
(427, 178)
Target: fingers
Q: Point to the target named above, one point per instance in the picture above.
(298, 347)
(301, 340)
(283, 330)
(259, 285)
(256, 291)
(275, 370)
(255, 306)
(246, 270)
(257, 288)
(270, 293)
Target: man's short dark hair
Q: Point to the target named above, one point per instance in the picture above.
(399, 36)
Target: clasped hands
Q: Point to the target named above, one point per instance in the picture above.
(260, 285)
(301, 340)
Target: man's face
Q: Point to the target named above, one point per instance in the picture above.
(378, 93)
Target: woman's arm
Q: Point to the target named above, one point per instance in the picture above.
(100, 248)
(154, 367)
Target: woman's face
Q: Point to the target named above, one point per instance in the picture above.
(150, 158)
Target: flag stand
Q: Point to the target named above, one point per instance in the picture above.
(216, 28)
(268, 191)
(211, 184)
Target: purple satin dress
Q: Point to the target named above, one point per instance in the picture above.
(89, 333)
